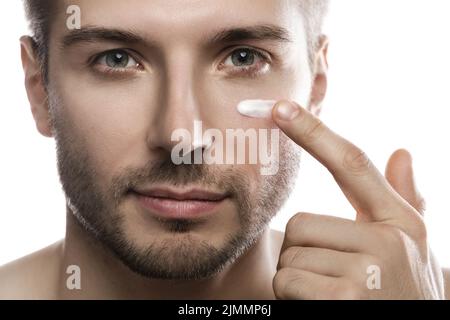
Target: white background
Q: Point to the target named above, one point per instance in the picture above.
(389, 67)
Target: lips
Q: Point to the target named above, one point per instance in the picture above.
(193, 194)
(180, 204)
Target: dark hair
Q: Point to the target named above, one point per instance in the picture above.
(40, 12)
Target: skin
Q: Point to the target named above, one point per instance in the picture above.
(325, 257)
(317, 257)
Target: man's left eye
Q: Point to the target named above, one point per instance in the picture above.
(244, 58)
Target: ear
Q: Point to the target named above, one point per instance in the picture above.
(35, 86)
(320, 81)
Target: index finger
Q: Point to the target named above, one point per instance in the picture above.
(363, 185)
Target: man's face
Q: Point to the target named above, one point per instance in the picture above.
(113, 115)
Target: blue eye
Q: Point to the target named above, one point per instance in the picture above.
(117, 59)
(246, 61)
(243, 57)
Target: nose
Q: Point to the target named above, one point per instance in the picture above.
(179, 108)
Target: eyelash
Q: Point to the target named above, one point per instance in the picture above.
(250, 71)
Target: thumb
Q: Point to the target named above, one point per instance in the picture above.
(399, 173)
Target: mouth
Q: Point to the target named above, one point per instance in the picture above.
(170, 203)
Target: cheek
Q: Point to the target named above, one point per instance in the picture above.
(221, 97)
(112, 121)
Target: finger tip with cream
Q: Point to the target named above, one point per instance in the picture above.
(286, 110)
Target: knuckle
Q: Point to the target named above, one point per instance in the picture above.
(291, 257)
(314, 130)
(414, 230)
(292, 222)
(284, 282)
(287, 257)
(295, 224)
(356, 160)
(278, 283)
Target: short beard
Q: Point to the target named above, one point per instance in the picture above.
(97, 211)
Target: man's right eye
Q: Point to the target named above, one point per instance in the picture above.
(116, 61)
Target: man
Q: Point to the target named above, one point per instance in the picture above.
(112, 89)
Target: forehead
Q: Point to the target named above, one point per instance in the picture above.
(185, 19)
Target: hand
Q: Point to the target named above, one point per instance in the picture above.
(325, 257)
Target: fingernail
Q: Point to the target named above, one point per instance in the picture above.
(286, 111)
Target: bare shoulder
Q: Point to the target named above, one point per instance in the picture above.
(33, 276)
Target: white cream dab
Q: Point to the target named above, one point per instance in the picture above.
(256, 108)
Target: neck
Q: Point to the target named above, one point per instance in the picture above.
(104, 276)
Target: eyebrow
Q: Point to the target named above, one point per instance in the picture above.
(95, 34)
(258, 32)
